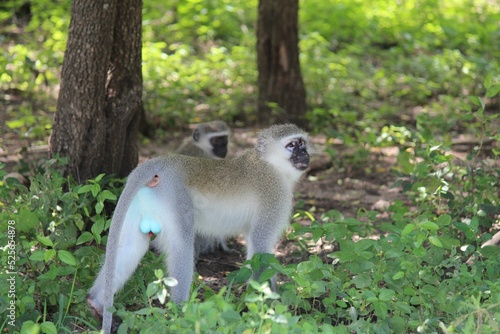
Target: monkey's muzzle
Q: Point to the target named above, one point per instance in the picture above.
(300, 160)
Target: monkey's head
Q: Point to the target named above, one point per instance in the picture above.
(212, 137)
(284, 142)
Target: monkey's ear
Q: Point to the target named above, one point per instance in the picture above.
(260, 147)
(196, 135)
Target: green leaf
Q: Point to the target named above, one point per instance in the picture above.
(27, 220)
(242, 275)
(404, 163)
(343, 256)
(480, 112)
(362, 281)
(408, 229)
(449, 242)
(341, 303)
(393, 252)
(15, 124)
(419, 251)
(398, 324)
(381, 309)
(99, 206)
(30, 327)
(86, 211)
(67, 257)
(49, 255)
(466, 106)
(146, 310)
(415, 300)
(493, 91)
(477, 101)
(79, 223)
(490, 251)
(488, 80)
(317, 233)
(95, 189)
(352, 222)
(97, 227)
(443, 220)
(430, 290)
(170, 281)
(48, 328)
(430, 226)
(230, 315)
(159, 273)
(85, 189)
(435, 241)
(152, 289)
(403, 307)
(266, 275)
(106, 195)
(37, 256)
(398, 275)
(386, 294)
(85, 237)
(45, 240)
(65, 270)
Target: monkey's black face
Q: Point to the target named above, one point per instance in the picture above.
(300, 157)
(219, 145)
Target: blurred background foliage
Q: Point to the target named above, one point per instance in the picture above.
(366, 64)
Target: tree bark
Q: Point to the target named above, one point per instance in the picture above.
(280, 80)
(100, 100)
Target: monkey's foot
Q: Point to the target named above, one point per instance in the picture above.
(115, 323)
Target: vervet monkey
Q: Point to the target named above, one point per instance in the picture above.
(209, 140)
(177, 196)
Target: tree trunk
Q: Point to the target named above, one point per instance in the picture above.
(100, 100)
(280, 81)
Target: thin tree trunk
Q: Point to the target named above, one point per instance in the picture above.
(99, 103)
(281, 89)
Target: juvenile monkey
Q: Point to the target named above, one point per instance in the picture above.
(177, 196)
(209, 140)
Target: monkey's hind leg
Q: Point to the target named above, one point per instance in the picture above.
(176, 239)
(130, 246)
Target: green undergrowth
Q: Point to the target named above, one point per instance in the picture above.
(365, 63)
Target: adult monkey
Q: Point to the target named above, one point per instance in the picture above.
(209, 140)
(176, 196)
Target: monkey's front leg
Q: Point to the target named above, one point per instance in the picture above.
(262, 239)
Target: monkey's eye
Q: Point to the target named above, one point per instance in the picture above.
(291, 146)
(219, 140)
